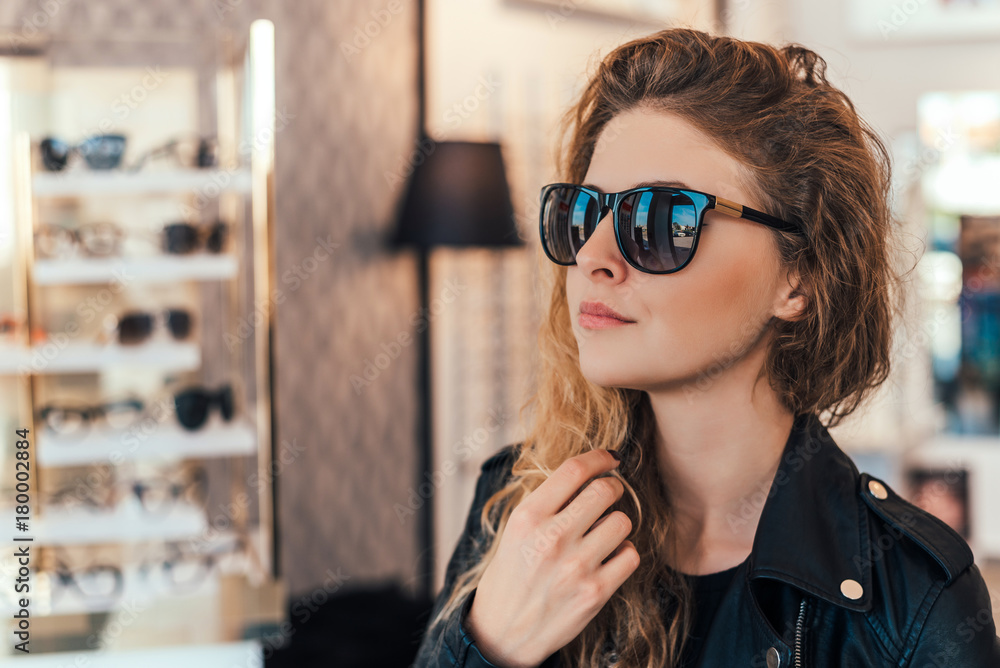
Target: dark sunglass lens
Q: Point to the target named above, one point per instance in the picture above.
(569, 216)
(192, 408)
(103, 151)
(216, 237)
(134, 328)
(55, 153)
(225, 397)
(179, 238)
(179, 323)
(658, 228)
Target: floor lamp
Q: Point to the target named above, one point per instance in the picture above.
(458, 196)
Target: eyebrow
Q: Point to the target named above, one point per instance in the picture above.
(645, 184)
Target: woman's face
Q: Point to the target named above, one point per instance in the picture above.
(691, 325)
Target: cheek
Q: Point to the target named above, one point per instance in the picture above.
(716, 305)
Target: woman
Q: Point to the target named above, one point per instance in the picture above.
(736, 282)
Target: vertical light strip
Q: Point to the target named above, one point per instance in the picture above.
(6, 177)
(262, 128)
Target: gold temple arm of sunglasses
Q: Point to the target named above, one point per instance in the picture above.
(728, 207)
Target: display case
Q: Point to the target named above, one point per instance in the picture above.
(137, 348)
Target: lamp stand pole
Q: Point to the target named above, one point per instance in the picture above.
(425, 530)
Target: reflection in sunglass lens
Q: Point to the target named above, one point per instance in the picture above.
(657, 228)
(569, 217)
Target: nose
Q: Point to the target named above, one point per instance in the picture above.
(600, 257)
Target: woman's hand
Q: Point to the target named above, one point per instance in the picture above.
(549, 578)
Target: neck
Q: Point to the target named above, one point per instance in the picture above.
(718, 450)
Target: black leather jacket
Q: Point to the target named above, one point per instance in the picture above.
(843, 572)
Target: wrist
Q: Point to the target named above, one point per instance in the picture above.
(483, 656)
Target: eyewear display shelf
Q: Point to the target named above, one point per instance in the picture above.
(241, 589)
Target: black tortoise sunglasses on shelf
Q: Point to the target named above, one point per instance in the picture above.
(657, 227)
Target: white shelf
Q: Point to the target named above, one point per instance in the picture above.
(127, 523)
(93, 357)
(96, 182)
(246, 654)
(165, 268)
(168, 441)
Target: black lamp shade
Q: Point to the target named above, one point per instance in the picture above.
(458, 197)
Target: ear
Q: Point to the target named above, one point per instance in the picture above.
(792, 298)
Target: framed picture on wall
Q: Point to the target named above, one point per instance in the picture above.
(923, 20)
(943, 493)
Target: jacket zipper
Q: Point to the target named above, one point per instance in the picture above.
(799, 633)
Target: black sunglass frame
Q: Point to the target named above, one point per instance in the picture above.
(702, 201)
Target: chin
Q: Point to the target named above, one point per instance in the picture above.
(607, 373)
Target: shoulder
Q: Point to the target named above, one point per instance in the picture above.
(937, 541)
(926, 572)
(495, 471)
(502, 460)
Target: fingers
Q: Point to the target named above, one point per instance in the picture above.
(553, 494)
(619, 566)
(592, 501)
(607, 536)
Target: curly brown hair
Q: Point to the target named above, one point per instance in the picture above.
(811, 159)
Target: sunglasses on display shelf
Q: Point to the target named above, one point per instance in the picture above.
(197, 152)
(184, 568)
(101, 152)
(76, 420)
(91, 239)
(657, 227)
(156, 495)
(182, 238)
(193, 405)
(98, 583)
(135, 327)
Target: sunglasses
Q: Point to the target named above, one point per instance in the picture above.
(100, 152)
(70, 420)
(657, 227)
(192, 405)
(182, 238)
(197, 152)
(94, 239)
(158, 495)
(99, 582)
(134, 327)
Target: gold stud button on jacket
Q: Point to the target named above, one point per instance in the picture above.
(843, 573)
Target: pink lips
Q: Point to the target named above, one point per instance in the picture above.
(595, 315)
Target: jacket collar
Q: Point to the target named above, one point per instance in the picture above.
(813, 529)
